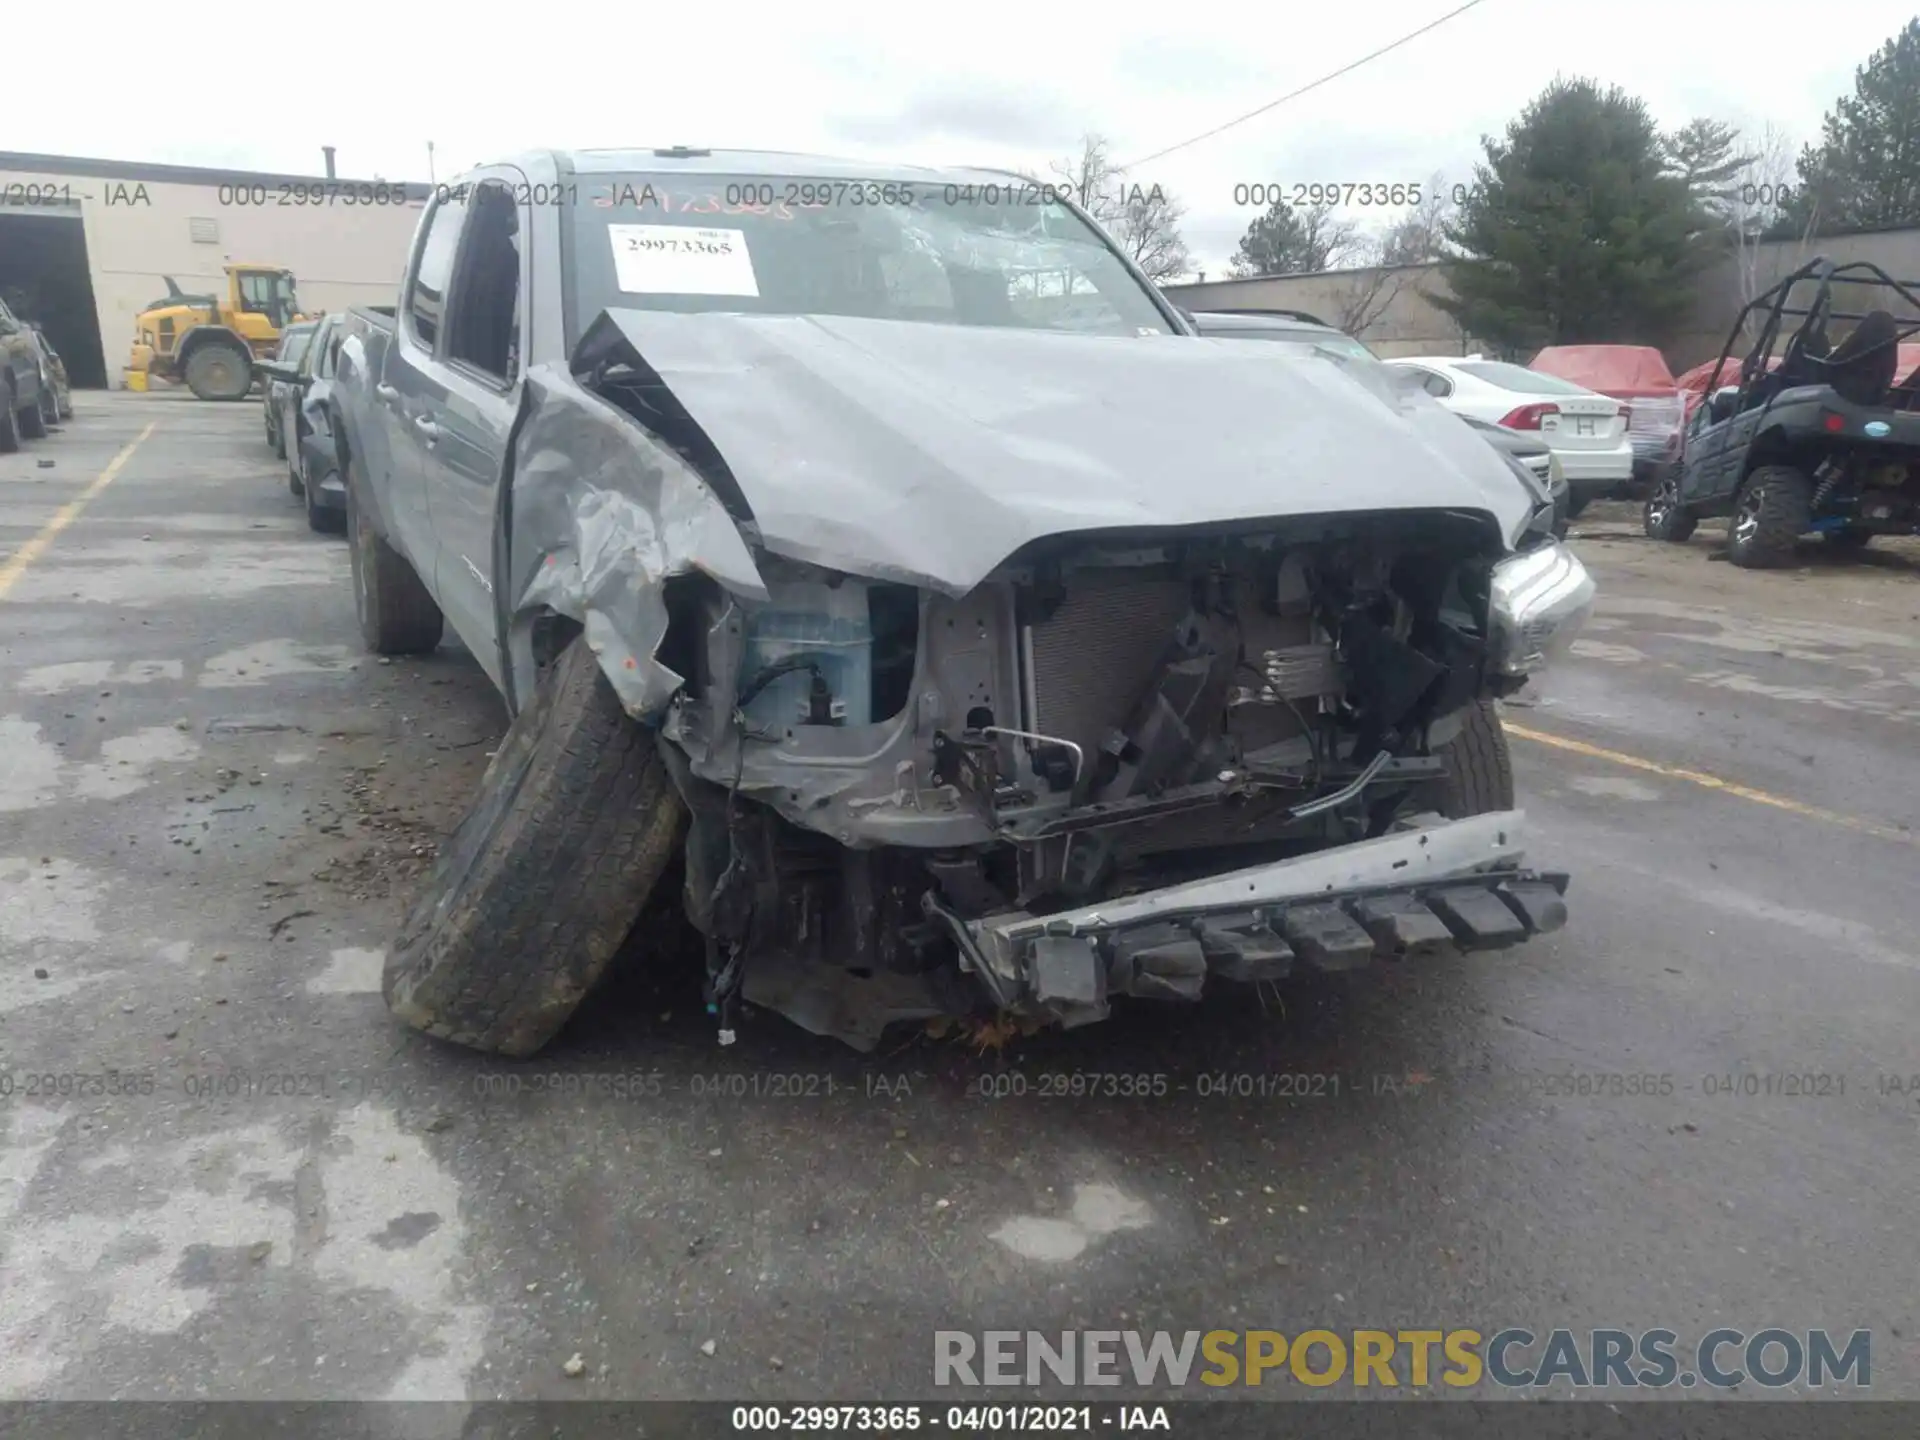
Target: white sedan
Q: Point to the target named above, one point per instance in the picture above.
(1587, 431)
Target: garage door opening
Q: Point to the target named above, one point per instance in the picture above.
(45, 279)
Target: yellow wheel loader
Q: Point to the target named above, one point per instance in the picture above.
(210, 341)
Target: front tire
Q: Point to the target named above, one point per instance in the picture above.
(1773, 511)
(33, 419)
(575, 821)
(321, 519)
(1665, 518)
(1479, 766)
(397, 616)
(220, 372)
(9, 424)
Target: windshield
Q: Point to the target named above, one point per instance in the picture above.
(1002, 255)
(1518, 378)
(293, 345)
(1330, 343)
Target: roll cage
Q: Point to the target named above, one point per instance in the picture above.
(1860, 368)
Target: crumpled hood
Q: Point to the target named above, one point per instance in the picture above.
(930, 453)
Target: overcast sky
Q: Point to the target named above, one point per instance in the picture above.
(987, 82)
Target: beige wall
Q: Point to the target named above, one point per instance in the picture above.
(340, 255)
(1411, 324)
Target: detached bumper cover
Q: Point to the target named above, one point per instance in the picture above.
(1446, 885)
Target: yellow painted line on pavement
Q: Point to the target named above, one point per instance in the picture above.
(17, 563)
(1714, 782)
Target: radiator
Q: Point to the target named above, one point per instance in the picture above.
(1095, 656)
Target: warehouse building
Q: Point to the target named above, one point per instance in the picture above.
(86, 245)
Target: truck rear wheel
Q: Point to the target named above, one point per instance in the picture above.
(219, 371)
(9, 423)
(1479, 767)
(397, 616)
(575, 821)
(1773, 511)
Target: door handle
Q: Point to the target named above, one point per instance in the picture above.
(386, 393)
(429, 431)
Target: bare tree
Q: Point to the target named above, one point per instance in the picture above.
(1421, 235)
(1144, 219)
(1364, 292)
(1385, 264)
(1758, 209)
(1149, 231)
(1092, 178)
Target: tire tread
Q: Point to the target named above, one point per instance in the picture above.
(576, 820)
(1479, 765)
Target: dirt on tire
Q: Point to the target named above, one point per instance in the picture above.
(1785, 509)
(534, 892)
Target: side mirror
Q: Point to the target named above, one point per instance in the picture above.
(276, 370)
(1720, 407)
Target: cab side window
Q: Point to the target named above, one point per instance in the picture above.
(427, 295)
(483, 315)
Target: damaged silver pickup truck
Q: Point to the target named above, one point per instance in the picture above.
(880, 551)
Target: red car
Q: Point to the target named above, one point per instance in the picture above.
(1637, 376)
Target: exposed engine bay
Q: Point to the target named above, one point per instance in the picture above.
(872, 768)
(989, 688)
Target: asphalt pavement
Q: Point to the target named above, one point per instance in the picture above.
(226, 1173)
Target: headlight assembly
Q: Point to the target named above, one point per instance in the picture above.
(1537, 603)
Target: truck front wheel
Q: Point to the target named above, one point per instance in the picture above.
(1479, 768)
(534, 892)
(220, 371)
(397, 616)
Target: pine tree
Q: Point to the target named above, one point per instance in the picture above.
(1708, 157)
(1865, 172)
(1293, 240)
(1576, 228)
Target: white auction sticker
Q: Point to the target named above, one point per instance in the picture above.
(681, 260)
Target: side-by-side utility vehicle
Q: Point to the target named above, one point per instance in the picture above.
(1816, 440)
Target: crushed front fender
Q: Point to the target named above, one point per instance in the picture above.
(600, 513)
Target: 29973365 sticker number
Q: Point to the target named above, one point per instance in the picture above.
(681, 260)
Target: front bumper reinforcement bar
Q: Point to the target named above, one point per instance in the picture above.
(1436, 885)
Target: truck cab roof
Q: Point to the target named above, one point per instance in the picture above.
(795, 164)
